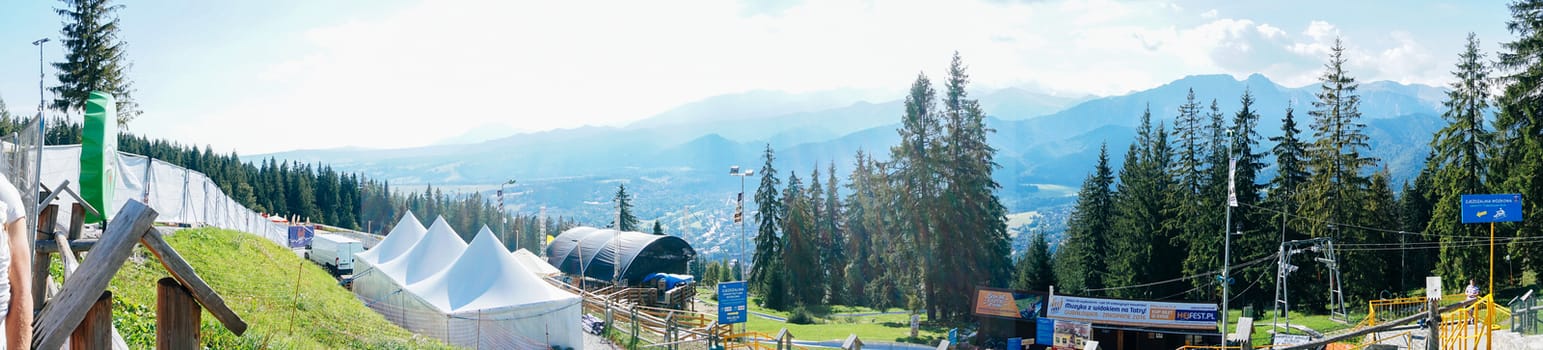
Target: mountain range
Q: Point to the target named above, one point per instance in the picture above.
(676, 162)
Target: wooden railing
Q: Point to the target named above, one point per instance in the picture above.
(81, 312)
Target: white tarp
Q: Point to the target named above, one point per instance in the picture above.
(177, 194)
(476, 295)
(534, 263)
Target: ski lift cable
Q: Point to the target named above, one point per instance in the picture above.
(1337, 224)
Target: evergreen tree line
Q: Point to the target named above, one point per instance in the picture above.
(1154, 228)
(919, 231)
(318, 193)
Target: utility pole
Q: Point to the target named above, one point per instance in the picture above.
(503, 219)
(1232, 201)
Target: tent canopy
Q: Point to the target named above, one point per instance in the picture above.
(535, 263)
(402, 236)
(485, 277)
(436, 250)
(600, 253)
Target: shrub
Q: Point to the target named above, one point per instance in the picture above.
(800, 315)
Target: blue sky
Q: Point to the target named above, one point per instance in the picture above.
(264, 76)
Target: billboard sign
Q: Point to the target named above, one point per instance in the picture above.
(732, 305)
(300, 236)
(1487, 208)
(1016, 305)
(1137, 313)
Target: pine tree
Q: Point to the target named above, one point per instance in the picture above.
(94, 58)
(798, 240)
(1255, 239)
(623, 200)
(1189, 203)
(833, 253)
(1337, 185)
(1136, 239)
(658, 230)
(1519, 155)
(1081, 266)
(766, 269)
(859, 203)
(1034, 268)
(915, 175)
(1460, 152)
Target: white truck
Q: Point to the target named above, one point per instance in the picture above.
(335, 252)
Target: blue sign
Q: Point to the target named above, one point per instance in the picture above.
(731, 302)
(1044, 330)
(1485, 208)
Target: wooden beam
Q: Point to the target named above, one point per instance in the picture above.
(184, 274)
(77, 246)
(177, 317)
(67, 309)
(66, 257)
(96, 330)
(77, 220)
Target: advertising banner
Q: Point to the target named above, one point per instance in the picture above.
(99, 155)
(1017, 305)
(300, 236)
(1070, 335)
(1136, 313)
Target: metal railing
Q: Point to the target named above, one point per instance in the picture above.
(1526, 315)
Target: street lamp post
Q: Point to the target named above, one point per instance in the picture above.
(37, 174)
(739, 207)
(1232, 200)
(502, 218)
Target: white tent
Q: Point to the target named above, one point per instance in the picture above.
(474, 296)
(493, 301)
(534, 263)
(436, 250)
(402, 236)
(375, 286)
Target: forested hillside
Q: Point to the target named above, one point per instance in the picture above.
(318, 193)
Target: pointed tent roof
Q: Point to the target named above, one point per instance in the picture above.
(439, 247)
(486, 276)
(534, 263)
(404, 235)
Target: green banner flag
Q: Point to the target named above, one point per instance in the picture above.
(99, 155)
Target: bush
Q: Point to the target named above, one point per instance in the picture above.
(800, 315)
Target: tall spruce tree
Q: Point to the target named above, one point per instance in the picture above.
(799, 243)
(1338, 184)
(1256, 238)
(970, 224)
(833, 252)
(1189, 206)
(1138, 215)
(1519, 157)
(766, 271)
(94, 58)
(860, 201)
(1081, 264)
(916, 180)
(1460, 152)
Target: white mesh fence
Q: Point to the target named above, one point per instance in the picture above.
(179, 195)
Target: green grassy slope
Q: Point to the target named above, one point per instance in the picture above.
(257, 279)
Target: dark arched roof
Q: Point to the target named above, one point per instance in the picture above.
(595, 252)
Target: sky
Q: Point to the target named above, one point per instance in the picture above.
(275, 75)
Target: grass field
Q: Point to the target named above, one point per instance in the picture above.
(257, 279)
(833, 326)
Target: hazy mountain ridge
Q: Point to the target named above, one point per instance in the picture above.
(685, 163)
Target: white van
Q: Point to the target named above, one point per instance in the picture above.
(335, 252)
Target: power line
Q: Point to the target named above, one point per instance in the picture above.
(1337, 224)
(1185, 278)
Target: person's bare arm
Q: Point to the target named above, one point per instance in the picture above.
(18, 323)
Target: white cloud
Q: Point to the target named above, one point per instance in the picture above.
(438, 68)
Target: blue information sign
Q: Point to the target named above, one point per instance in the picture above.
(1486, 208)
(731, 302)
(1044, 330)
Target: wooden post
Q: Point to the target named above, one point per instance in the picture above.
(1433, 320)
(70, 306)
(96, 330)
(177, 316)
(40, 278)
